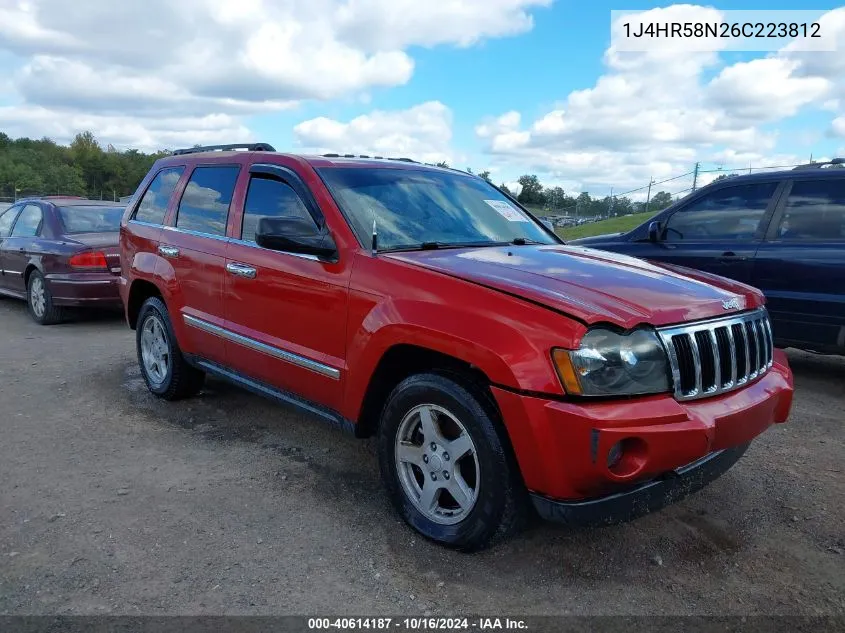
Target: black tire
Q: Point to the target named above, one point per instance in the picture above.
(502, 501)
(50, 314)
(181, 380)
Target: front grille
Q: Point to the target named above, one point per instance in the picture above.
(720, 355)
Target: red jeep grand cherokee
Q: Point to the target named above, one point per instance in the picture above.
(497, 366)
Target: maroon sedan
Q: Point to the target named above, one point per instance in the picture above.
(59, 252)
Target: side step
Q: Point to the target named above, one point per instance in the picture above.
(284, 397)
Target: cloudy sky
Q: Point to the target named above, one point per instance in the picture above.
(512, 86)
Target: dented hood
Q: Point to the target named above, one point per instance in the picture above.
(592, 285)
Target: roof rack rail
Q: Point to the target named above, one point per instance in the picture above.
(839, 162)
(251, 147)
(334, 155)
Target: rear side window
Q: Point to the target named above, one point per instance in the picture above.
(29, 222)
(153, 206)
(7, 218)
(815, 210)
(731, 213)
(270, 198)
(205, 204)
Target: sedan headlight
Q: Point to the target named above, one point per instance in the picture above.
(611, 364)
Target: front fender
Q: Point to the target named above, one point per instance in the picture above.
(511, 346)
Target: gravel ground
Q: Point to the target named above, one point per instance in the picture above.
(114, 502)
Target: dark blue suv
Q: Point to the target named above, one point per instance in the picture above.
(783, 232)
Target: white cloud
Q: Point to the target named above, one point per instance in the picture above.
(656, 113)
(423, 132)
(144, 59)
(125, 131)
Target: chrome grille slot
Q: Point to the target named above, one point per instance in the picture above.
(719, 355)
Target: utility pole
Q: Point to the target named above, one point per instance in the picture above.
(695, 176)
(648, 197)
(611, 202)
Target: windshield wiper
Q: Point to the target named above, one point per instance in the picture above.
(433, 246)
(522, 241)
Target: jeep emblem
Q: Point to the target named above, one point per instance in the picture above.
(731, 304)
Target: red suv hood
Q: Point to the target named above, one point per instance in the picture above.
(593, 285)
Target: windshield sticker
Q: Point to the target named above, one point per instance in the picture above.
(507, 211)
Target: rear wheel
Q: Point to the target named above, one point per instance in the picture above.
(39, 301)
(445, 465)
(166, 372)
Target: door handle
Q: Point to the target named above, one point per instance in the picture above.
(241, 270)
(730, 256)
(168, 251)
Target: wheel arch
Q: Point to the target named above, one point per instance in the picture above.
(139, 292)
(403, 360)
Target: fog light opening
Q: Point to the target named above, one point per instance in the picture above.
(627, 457)
(614, 455)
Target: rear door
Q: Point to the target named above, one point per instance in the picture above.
(801, 265)
(195, 248)
(19, 246)
(718, 232)
(7, 220)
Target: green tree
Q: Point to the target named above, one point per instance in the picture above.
(43, 167)
(532, 190)
(556, 198)
(485, 175)
(660, 201)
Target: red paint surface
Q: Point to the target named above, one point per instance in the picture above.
(501, 310)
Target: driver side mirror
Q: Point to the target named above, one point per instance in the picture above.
(295, 235)
(654, 231)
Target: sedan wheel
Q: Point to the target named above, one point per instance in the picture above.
(39, 301)
(37, 297)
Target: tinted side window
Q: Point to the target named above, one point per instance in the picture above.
(29, 222)
(815, 210)
(205, 204)
(153, 205)
(732, 213)
(268, 197)
(7, 218)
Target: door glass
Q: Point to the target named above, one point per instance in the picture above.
(732, 213)
(270, 198)
(205, 204)
(29, 222)
(815, 210)
(6, 220)
(153, 205)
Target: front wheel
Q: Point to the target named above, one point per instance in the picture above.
(166, 372)
(445, 465)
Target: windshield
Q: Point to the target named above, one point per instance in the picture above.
(93, 219)
(412, 208)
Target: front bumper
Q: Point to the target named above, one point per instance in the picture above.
(643, 498)
(96, 290)
(562, 447)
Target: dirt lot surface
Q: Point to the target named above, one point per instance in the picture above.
(114, 502)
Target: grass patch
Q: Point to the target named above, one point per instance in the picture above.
(613, 225)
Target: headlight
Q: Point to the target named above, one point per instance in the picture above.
(610, 364)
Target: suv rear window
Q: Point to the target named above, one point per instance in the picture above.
(205, 204)
(153, 205)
